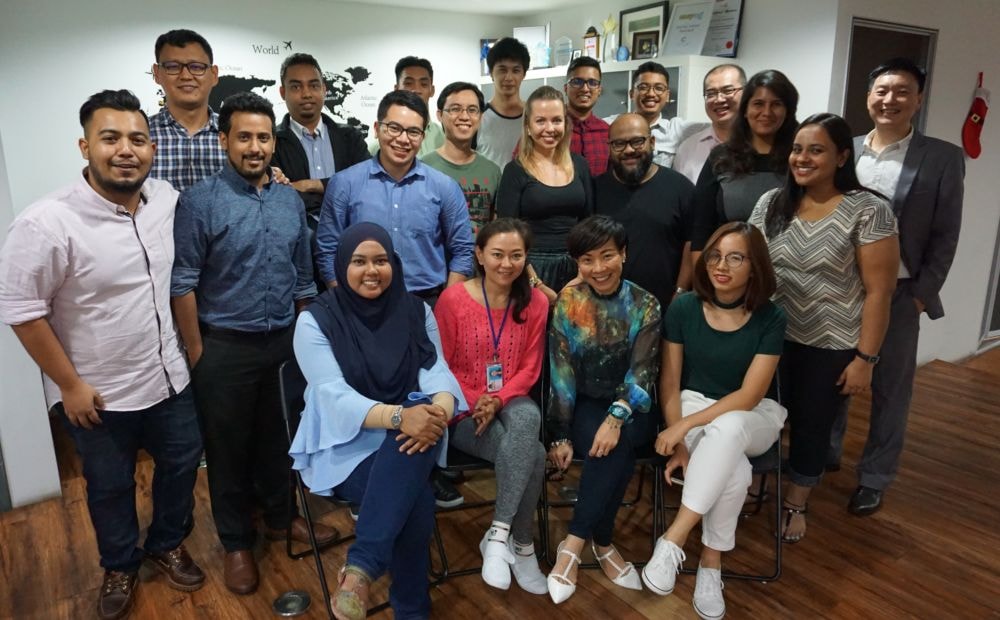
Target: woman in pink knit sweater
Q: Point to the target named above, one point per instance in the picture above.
(493, 337)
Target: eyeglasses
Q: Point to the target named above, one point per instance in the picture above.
(636, 143)
(659, 89)
(174, 68)
(733, 259)
(393, 130)
(580, 82)
(725, 91)
(456, 110)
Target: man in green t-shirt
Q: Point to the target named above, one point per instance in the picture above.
(460, 109)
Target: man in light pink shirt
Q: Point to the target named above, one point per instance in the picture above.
(722, 89)
(85, 284)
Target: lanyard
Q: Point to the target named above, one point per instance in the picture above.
(489, 315)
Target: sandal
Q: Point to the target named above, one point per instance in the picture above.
(756, 496)
(791, 510)
(352, 604)
(627, 576)
(560, 587)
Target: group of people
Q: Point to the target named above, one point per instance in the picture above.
(426, 287)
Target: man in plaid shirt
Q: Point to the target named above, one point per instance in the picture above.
(590, 134)
(186, 130)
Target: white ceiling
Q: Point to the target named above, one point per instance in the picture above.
(488, 7)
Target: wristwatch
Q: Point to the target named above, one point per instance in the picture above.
(871, 359)
(396, 419)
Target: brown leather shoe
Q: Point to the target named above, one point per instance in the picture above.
(300, 533)
(241, 572)
(181, 571)
(117, 595)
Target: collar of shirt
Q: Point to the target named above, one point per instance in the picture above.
(591, 123)
(302, 130)
(236, 181)
(86, 190)
(901, 144)
(166, 118)
(375, 169)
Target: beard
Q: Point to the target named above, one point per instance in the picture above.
(633, 177)
(246, 171)
(112, 186)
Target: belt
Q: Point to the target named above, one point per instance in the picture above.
(222, 332)
(429, 293)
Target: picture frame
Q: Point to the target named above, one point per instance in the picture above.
(592, 46)
(643, 18)
(577, 54)
(645, 44)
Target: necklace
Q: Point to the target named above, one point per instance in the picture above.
(729, 306)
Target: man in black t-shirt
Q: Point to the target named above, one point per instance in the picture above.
(654, 205)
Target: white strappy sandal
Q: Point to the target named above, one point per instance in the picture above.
(627, 576)
(560, 587)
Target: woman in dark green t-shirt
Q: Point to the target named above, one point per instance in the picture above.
(721, 345)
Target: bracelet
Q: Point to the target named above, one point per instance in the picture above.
(534, 281)
(680, 291)
(560, 442)
(613, 422)
(620, 411)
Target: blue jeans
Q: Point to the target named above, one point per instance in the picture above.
(168, 431)
(395, 523)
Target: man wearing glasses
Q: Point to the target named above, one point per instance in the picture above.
(460, 109)
(650, 93)
(723, 87)
(590, 134)
(422, 209)
(652, 202)
(186, 129)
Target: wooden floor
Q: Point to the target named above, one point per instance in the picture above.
(932, 552)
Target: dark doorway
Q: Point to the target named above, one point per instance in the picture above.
(873, 42)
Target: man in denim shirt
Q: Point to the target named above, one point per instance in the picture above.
(242, 270)
(423, 209)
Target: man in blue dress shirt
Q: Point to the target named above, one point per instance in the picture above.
(242, 269)
(423, 209)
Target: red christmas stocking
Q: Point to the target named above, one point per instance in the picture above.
(974, 121)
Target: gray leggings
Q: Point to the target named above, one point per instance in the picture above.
(511, 443)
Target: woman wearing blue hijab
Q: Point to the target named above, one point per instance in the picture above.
(378, 400)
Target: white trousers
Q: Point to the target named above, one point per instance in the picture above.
(718, 474)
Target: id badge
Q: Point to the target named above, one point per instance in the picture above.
(494, 377)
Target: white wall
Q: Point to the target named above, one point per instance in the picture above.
(25, 440)
(56, 53)
(967, 43)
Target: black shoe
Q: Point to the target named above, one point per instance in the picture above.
(453, 475)
(445, 493)
(355, 510)
(865, 501)
(117, 594)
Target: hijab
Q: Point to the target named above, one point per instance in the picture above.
(380, 344)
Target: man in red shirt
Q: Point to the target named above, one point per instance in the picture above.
(590, 133)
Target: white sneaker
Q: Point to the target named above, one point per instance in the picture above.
(708, 601)
(526, 571)
(660, 572)
(497, 559)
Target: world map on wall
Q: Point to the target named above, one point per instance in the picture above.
(339, 87)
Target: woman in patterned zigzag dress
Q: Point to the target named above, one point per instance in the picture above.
(835, 251)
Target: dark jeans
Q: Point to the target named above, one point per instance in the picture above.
(395, 523)
(604, 480)
(246, 448)
(168, 431)
(809, 390)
